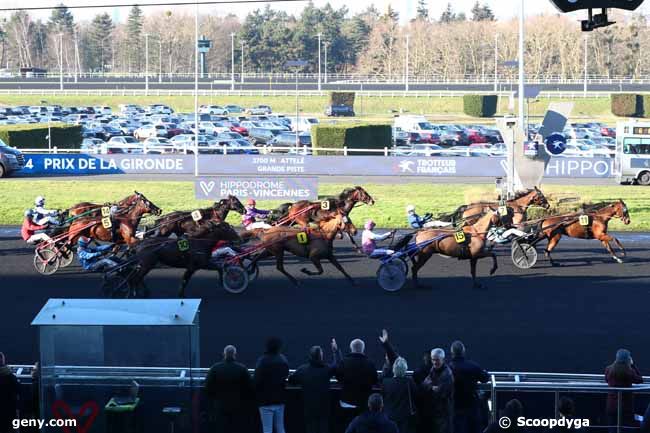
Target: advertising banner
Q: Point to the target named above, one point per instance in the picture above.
(260, 188)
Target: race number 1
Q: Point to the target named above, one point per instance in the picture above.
(584, 220)
(106, 211)
(302, 238)
(460, 237)
(106, 223)
(325, 205)
(196, 215)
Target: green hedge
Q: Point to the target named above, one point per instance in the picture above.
(352, 136)
(628, 104)
(342, 98)
(34, 136)
(480, 105)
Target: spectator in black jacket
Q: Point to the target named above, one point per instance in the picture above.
(424, 401)
(399, 397)
(270, 380)
(8, 396)
(314, 378)
(467, 374)
(440, 385)
(228, 386)
(373, 421)
(357, 375)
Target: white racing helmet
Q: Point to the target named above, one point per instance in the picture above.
(410, 208)
(39, 201)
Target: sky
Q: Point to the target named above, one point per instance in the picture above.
(504, 9)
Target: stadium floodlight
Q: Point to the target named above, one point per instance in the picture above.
(599, 20)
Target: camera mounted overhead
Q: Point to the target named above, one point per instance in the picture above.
(595, 21)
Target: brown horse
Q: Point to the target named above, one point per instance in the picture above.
(93, 209)
(152, 251)
(128, 220)
(182, 222)
(518, 206)
(303, 212)
(597, 218)
(475, 247)
(315, 244)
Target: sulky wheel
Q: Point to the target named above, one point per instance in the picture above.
(253, 269)
(391, 276)
(524, 256)
(235, 279)
(46, 261)
(66, 255)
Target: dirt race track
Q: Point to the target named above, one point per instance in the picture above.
(567, 319)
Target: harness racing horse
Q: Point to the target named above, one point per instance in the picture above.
(596, 217)
(297, 213)
(519, 206)
(315, 244)
(440, 241)
(201, 241)
(128, 220)
(93, 209)
(182, 222)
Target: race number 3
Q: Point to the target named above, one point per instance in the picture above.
(325, 205)
(106, 211)
(584, 220)
(196, 215)
(106, 223)
(460, 237)
(302, 238)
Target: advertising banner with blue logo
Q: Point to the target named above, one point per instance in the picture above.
(259, 188)
(292, 165)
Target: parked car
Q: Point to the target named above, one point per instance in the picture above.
(237, 147)
(288, 139)
(229, 135)
(11, 160)
(426, 149)
(339, 110)
(147, 131)
(234, 109)
(106, 132)
(213, 109)
(259, 109)
(261, 136)
(400, 138)
(185, 143)
(423, 137)
(92, 145)
(158, 145)
(237, 127)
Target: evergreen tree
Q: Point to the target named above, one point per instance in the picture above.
(100, 42)
(391, 14)
(422, 10)
(482, 13)
(448, 15)
(134, 36)
(61, 20)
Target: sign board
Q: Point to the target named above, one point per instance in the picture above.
(555, 143)
(286, 189)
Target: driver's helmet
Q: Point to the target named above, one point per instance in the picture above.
(410, 208)
(29, 213)
(250, 202)
(39, 201)
(370, 224)
(83, 241)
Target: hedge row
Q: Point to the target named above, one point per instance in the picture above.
(480, 105)
(35, 136)
(356, 136)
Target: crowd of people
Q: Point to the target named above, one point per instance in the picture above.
(440, 396)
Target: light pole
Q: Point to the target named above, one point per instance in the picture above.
(325, 45)
(61, 61)
(320, 35)
(232, 61)
(406, 64)
(586, 66)
(297, 64)
(49, 131)
(196, 89)
(160, 42)
(242, 62)
(522, 95)
(496, 62)
(146, 63)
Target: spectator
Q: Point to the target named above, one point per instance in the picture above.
(373, 421)
(467, 374)
(399, 394)
(8, 396)
(391, 355)
(567, 408)
(228, 386)
(424, 400)
(622, 374)
(513, 410)
(357, 375)
(440, 385)
(314, 378)
(270, 379)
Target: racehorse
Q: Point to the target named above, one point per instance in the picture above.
(315, 244)
(444, 242)
(128, 220)
(93, 209)
(299, 214)
(183, 222)
(596, 217)
(469, 213)
(201, 241)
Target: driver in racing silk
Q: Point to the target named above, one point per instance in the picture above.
(222, 249)
(369, 241)
(44, 216)
(249, 220)
(29, 229)
(92, 258)
(414, 220)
